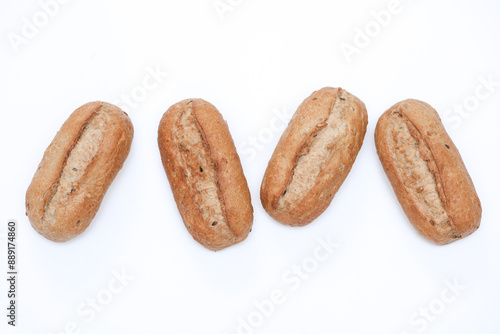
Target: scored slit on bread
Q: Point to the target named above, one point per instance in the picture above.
(415, 165)
(322, 145)
(79, 158)
(200, 171)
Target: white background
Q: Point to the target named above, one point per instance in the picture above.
(257, 60)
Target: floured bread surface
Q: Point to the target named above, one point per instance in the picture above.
(415, 165)
(201, 175)
(77, 162)
(323, 146)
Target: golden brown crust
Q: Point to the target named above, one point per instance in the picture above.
(314, 156)
(427, 173)
(77, 169)
(205, 174)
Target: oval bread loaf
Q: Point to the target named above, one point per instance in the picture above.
(205, 174)
(77, 169)
(314, 156)
(427, 172)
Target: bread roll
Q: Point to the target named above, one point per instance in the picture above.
(314, 156)
(205, 174)
(427, 172)
(77, 169)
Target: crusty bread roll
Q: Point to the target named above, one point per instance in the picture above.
(77, 169)
(427, 172)
(205, 174)
(314, 156)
